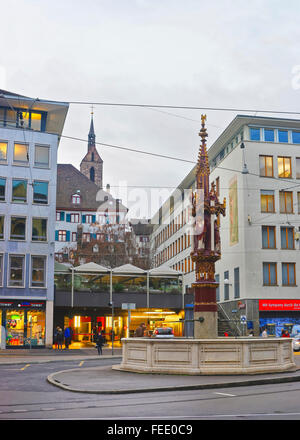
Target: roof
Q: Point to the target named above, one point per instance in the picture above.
(164, 270)
(141, 228)
(128, 269)
(57, 110)
(91, 267)
(59, 267)
(71, 181)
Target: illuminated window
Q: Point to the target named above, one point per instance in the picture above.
(41, 156)
(21, 154)
(288, 274)
(284, 167)
(62, 235)
(3, 151)
(286, 202)
(267, 201)
(38, 271)
(266, 166)
(35, 121)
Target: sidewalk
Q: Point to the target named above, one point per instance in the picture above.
(105, 380)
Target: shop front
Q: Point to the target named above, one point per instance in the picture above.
(24, 323)
(279, 314)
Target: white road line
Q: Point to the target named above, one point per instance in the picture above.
(225, 394)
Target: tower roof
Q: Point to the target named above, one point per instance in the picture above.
(92, 136)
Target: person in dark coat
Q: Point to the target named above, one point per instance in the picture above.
(140, 330)
(99, 342)
(68, 337)
(59, 337)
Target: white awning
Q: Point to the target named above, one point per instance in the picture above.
(91, 268)
(129, 269)
(164, 271)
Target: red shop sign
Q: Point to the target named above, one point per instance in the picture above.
(279, 304)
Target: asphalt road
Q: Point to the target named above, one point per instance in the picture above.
(26, 395)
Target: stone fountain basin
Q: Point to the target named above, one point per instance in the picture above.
(221, 356)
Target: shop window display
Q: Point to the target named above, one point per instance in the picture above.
(15, 327)
(35, 328)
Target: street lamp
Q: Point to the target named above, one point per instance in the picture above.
(111, 304)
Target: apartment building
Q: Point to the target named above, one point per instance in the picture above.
(255, 165)
(29, 136)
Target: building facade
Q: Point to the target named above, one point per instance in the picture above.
(29, 138)
(255, 165)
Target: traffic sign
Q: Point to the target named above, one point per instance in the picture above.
(243, 319)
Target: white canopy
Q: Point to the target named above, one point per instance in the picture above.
(164, 270)
(129, 269)
(92, 268)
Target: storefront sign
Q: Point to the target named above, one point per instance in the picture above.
(279, 305)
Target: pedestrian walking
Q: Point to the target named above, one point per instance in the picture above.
(99, 342)
(59, 337)
(68, 337)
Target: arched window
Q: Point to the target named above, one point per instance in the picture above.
(93, 157)
(92, 174)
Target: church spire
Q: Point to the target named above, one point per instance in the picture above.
(92, 136)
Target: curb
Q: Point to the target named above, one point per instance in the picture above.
(240, 383)
(62, 359)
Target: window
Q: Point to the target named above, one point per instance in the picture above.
(255, 134)
(62, 235)
(16, 271)
(21, 154)
(41, 156)
(35, 121)
(298, 195)
(1, 227)
(19, 191)
(268, 237)
(39, 229)
(40, 192)
(226, 286)
(296, 137)
(283, 136)
(74, 236)
(284, 167)
(76, 199)
(286, 202)
(217, 278)
(237, 282)
(269, 135)
(288, 274)
(89, 218)
(86, 237)
(3, 151)
(2, 189)
(267, 201)
(1, 270)
(38, 271)
(270, 274)
(74, 218)
(287, 238)
(57, 216)
(18, 228)
(266, 166)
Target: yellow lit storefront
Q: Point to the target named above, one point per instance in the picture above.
(154, 318)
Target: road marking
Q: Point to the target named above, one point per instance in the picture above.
(81, 363)
(27, 365)
(19, 410)
(225, 394)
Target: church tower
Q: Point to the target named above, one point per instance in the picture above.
(92, 164)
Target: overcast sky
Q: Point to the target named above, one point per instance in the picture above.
(218, 53)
